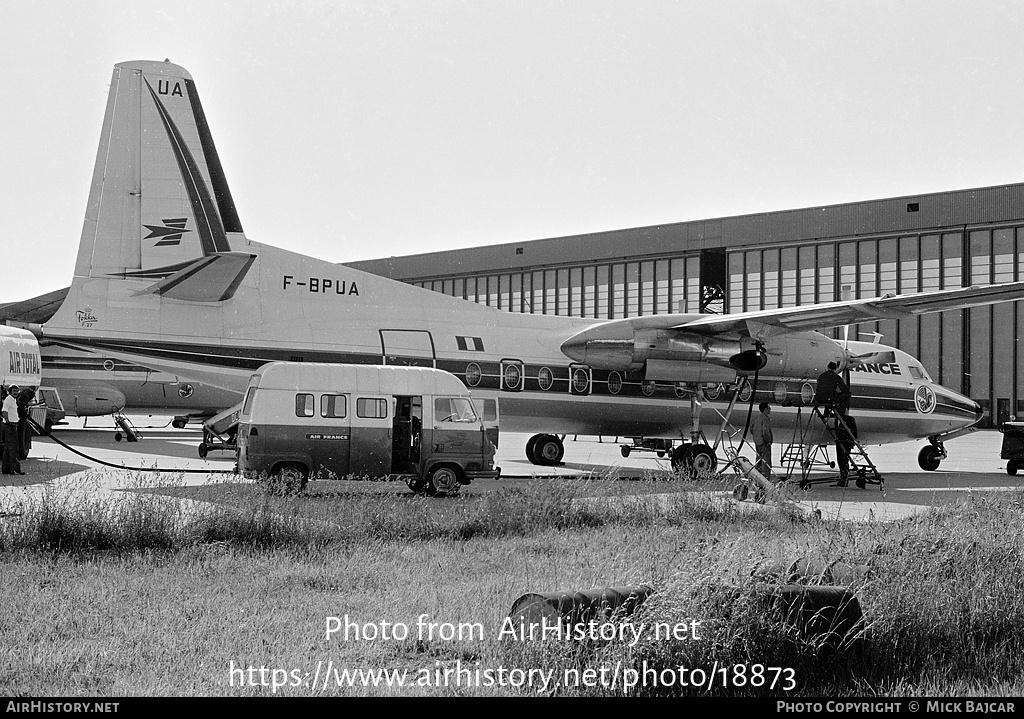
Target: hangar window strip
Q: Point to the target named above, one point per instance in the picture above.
(611, 290)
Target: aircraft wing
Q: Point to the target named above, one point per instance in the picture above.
(835, 314)
(677, 346)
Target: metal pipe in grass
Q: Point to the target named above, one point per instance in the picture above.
(578, 607)
(66, 446)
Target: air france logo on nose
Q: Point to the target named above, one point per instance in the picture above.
(170, 233)
(924, 398)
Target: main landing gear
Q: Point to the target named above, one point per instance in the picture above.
(696, 458)
(545, 450)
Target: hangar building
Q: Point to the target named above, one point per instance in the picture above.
(793, 257)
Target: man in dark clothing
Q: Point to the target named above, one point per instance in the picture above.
(846, 438)
(832, 391)
(9, 414)
(24, 398)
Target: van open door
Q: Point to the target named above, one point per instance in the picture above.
(488, 410)
(406, 434)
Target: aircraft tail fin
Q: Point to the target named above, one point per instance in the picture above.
(159, 199)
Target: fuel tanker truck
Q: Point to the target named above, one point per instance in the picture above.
(20, 366)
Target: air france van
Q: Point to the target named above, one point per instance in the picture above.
(303, 419)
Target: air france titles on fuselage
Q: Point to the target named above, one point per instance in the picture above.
(323, 285)
(23, 363)
(892, 368)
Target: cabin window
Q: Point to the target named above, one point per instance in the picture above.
(371, 408)
(334, 406)
(545, 378)
(512, 376)
(303, 405)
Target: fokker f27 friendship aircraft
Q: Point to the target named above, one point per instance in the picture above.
(166, 278)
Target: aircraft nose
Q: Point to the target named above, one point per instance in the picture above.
(978, 411)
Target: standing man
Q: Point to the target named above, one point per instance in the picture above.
(9, 414)
(25, 398)
(846, 439)
(761, 434)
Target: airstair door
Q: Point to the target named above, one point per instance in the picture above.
(408, 347)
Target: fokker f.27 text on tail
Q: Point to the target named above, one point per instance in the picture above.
(166, 278)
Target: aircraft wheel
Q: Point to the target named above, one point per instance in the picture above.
(287, 480)
(624, 451)
(179, 422)
(928, 458)
(701, 459)
(530, 446)
(203, 450)
(740, 492)
(548, 450)
(661, 455)
(117, 436)
(1011, 468)
(443, 481)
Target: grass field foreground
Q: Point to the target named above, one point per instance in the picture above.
(143, 593)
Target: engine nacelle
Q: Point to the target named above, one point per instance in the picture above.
(679, 356)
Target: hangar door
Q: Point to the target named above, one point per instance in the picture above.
(407, 347)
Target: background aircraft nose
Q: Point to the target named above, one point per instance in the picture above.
(576, 348)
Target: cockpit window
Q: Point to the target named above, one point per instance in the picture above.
(917, 372)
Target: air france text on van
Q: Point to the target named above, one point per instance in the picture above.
(321, 285)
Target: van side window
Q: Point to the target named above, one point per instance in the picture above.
(303, 405)
(371, 408)
(247, 407)
(333, 405)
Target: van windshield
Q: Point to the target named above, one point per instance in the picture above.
(454, 409)
(247, 407)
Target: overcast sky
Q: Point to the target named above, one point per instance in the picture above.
(354, 130)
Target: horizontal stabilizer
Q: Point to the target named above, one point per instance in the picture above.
(213, 278)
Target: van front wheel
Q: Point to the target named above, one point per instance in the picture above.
(443, 481)
(287, 480)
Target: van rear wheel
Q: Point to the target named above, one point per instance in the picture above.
(287, 480)
(443, 481)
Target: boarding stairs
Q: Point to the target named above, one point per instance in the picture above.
(220, 431)
(824, 427)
